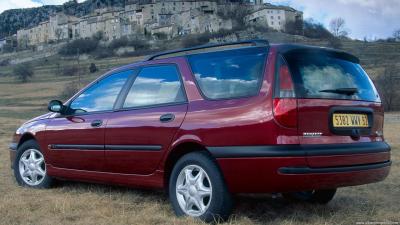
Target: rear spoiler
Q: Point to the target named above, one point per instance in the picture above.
(322, 51)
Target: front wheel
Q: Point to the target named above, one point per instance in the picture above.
(314, 196)
(30, 166)
(197, 188)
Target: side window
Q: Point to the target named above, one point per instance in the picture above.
(229, 74)
(101, 95)
(155, 85)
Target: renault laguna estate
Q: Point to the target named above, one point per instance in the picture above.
(207, 122)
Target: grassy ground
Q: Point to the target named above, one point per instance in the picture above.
(79, 203)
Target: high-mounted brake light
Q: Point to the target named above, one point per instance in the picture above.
(285, 103)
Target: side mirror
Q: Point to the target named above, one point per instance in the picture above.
(56, 106)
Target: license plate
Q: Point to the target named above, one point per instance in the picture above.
(350, 120)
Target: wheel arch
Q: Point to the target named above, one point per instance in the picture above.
(26, 137)
(176, 153)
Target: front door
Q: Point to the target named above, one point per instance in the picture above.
(76, 140)
(142, 129)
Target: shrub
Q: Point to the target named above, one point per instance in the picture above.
(101, 53)
(84, 46)
(118, 43)
(316, 30)
(334, 42)
(5, 62)
(222, 33)
(139, 44)
(98, 36)
(69, 90)
(141, 52)
(70, 70)
(126, 42)
(92, 68)
(388, 86)
(196, 39)
(23, 72)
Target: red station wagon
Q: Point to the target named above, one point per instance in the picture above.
(206, 122)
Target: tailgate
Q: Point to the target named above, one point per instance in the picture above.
(337, 104)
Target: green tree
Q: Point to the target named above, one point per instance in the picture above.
(23, 72)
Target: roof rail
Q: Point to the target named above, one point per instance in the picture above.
(257, 42)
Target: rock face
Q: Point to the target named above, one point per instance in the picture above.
(15, 19)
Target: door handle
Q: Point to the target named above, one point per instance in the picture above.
(96, 123)
(167, 118)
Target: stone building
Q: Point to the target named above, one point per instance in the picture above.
(199, 21)
(163, 18)
(60, 27)
(276, 17)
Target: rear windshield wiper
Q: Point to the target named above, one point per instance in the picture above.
(343, 91)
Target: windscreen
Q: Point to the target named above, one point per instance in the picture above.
(330, 76)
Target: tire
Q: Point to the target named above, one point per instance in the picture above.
(30, 161)
(205, 179)
(315, 196)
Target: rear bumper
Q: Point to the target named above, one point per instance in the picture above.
(288, 168)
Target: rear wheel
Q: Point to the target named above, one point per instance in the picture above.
(30, 166)
(197, 189)
(314, 196)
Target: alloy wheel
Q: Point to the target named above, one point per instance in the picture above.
(32, 167)
(193, 190)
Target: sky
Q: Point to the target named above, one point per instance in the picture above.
(364, 18)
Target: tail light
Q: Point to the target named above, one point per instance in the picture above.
(285, 102)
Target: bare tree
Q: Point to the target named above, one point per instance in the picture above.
(58, 33)
(388, 86)
(338, 27)
(396, 35)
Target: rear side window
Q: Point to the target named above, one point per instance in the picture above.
(156, 85)
(329, 76)
(229, 74)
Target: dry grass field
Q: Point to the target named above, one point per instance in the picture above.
(81, 203)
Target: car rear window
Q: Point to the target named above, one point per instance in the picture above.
(230, 73)
(330, 76)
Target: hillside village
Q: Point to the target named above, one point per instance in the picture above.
(157, 18)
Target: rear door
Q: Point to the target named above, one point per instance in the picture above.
(337, 102)
(138, 134)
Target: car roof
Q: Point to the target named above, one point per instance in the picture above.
(282, 48)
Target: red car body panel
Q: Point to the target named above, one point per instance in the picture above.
(75, 130)
(263, 176)
(211, 124)
(145, 127)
